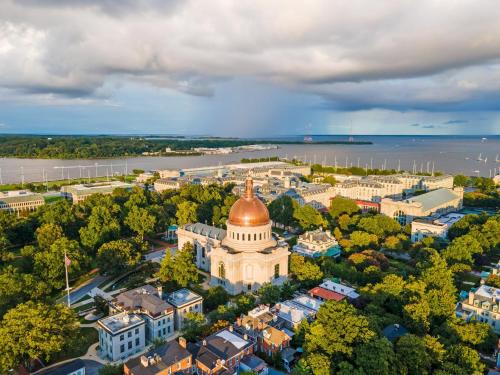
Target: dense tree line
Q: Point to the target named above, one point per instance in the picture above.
(84, 147)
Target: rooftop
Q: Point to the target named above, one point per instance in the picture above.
(63, 369)
(120, 322)
(97, 187)
(339, 288)
(433, 198)
(206, 230)
(489, 292)
(326, 294)
(158, 359)
(14, 196)
(182, 297)
(145, 298)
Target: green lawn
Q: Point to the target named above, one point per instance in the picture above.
(79, 345)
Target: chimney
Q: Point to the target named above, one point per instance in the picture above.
(144, 361)
(238, 321)
(160, 291)
(231, 328)
(245, 337)
(182, 342)
(204, 342)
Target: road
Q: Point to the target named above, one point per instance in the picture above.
(79, 292)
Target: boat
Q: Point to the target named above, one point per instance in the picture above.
(484, 139)
(480, 157)
(497, 159)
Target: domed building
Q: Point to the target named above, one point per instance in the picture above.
(244, 256)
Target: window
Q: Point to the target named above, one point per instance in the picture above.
(122, 337)
(122, 348)
(129, 333)
(243, 236)
(222, 271)
(137, 341)
(249, 287)
(203, 252)
(276, 271)
(137, 331)
(260, 236)
(130, 345)
(237, 236)
(255, 236)
(168, 329)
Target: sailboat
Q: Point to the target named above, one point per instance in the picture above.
(485, 159)
(480, 157)
(497, 159)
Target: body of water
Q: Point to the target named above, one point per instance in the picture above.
(451, 154)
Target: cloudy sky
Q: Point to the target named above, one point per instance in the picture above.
(248, 68)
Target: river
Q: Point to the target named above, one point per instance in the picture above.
(451, 154)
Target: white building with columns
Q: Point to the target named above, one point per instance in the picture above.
(245, 255)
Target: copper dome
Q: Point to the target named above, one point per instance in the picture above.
(248, 211)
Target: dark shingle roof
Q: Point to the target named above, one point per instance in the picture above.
(64, 369)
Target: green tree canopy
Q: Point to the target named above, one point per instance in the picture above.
(179, 268)
(34, 330)
(340, 205)
(308, 217)
(304, 270)
(47, 234)
(102, 227)
(140, 221)
(115, 257)
(186, 212)
(337, 330)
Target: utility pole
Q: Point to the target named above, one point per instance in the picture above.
(67, 262)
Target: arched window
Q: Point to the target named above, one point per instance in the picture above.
(276, 271)
(238, 236)
(260, 236)
(222, 271)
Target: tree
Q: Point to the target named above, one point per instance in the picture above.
(269, 294)
(475, 334)
(60, 213)
(116, 257)
(102, 227)
(47, 234)
(460, 180)
(337, 330)
(340, 205)
(380, 225)
(308, 217)
(186, 212)
(466, 358)
(216, 296)
(319, 363)
(179, 268)
(34, 330)
(245, 302)
(461, 250)
(49, 265)
(304, 270)
(363, 240)
(330, 180)
(375, 357)
(185, 271)
(193, 326)
(140, 221)
(281, 210)
(412, 355)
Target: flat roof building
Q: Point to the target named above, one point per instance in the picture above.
(184, 301)
(78, 193)
(20, 200)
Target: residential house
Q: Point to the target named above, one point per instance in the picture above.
(170, 358)
(481, 304)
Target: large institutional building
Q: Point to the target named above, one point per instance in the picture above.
(244, 256)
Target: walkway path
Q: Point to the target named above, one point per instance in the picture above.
(80, 291)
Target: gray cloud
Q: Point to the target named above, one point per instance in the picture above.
(415, 125)
(428, 126)
(380, 57)
(452, 122)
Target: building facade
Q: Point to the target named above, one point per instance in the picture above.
(431, 227)
(434, 203)
(20, 201)
(317, 243)
(246, 255)
(78, 193)
(184, 302)
(147, 302)
(482, 304)
(121, 336)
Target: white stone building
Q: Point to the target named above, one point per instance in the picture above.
(20, 201)
(434, 203)
(431, 227)
(78, 193)
(247, 256)
(317, 243)
(184, 301)
(121, 336)
(147, 302)
(481, 304)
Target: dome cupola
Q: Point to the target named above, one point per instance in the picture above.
(248, 211)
